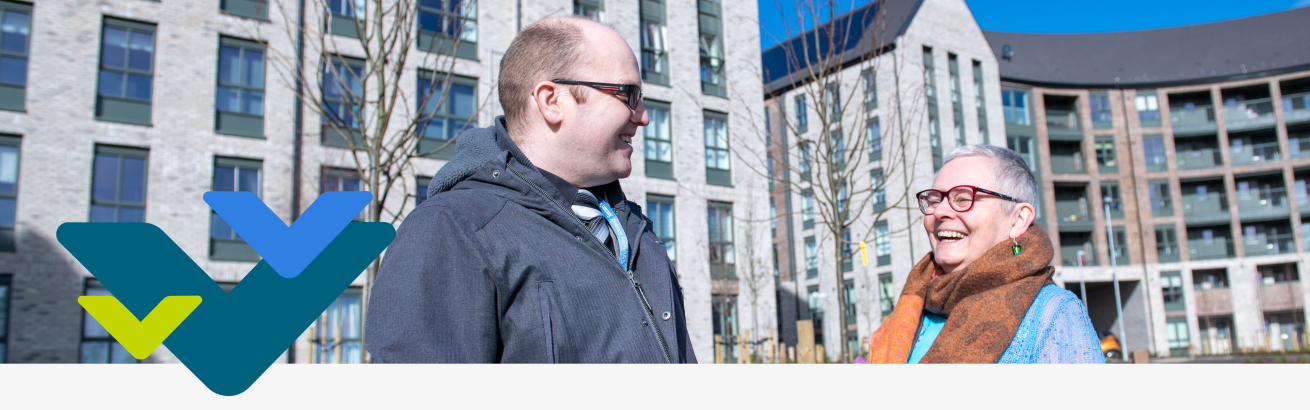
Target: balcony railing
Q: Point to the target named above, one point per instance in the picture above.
(1296, 107)
(1298, 146)
(1063, 122)
(1073, 214)
(1067, 164)
(1217, 248)
(1212, 208)
(1264, 244)
(1069, 255)
(1199, 158)
(1262, 203)
(1254, 153)
(1192, 120)
(1249, 114)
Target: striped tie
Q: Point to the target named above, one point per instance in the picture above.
(587, 208)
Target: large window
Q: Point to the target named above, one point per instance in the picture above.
(450, 106)
(957, 98)
(802, 115)
(832, 101)
(725, 325)
(449, 27)
(127, 53)
(934, 120)
(1161, 203)
(816, 314)
(1105, 158)
(1024, 147)
(847, 257)
(336, 332)
(723, 258)
(873, 133)
(1153, 150)
(1100, 104)
(1166, 243)
(338, 179)
(1148, 108)
(718, 164)
(118, 185)
(98, 346)
(811, 258)
(654, 36)
(5, 285)
(255, 9)
(882, 243)
(1179, 342)
(17, 30)
(240, 102)
(878, 184)
(345, 17)
(806, 159)
(233, 174)
(9, 149)
(342, 91)
(980, 99)
(421, 190)
(1016, 107)
(807, 210)
(660, 210)
(658, 139)
(886, 297)
(1110, 192)
(870, 89)
(1171, 288)
(592, 9)
(711, 48)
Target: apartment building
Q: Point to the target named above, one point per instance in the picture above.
(129, 110)
(1190, 143)
(922, 73)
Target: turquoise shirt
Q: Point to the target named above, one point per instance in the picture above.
(1055, 330)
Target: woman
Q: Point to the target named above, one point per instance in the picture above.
(984, 294)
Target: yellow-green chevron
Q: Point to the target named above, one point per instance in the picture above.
(139, 337)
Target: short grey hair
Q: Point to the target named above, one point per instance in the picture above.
(1010, 176)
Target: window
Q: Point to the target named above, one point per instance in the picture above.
(1210, 279)
(658, 140)
(1166, 243)
(118, 185)
(592, 9)
(660, 210)
(240, 102)
(882, 243)
(450, 106)
(878, 184)
(255, 9)
(873, 132)
(448, 27)
(1110, 193)
(98, 346)
(724, 311)
(722, 256)
(421, 190)
(233, 174)
(838, 145)
(832, 101)
(811, 258)
(1267, 274)
(802, 115)
(338, 179)
(342, 93)
(17, 29)
(848, 287)
(768, 127)
(1016, 107)
(886, 297)
(1161, 205)
(816, 313)
(843, 199)
(1148, 108)
(346, 17)
(1101, 116)
(934, 122)
(957, 99)
(847, 260)
(804, 166)
(807, 210)
(718, 165)
(336, 332)
(980, 99)
(1179, 343)
(1105, 158)
(127, 52)
(870, 89)
(654, 36)
(5, 285)
(9, 146)
(711, 49)
(773, 220)
(1024, 147)
(1171, 287)
(1153, 148)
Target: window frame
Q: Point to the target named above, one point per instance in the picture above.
(882, 243)
(1107, 160)
(336, 66)
(121, 108)
(980, 100)
(1099, 105)
(421, 189)
(443, 42)
(342, 174)
(717, 174)
(811, 248)
(8, 242)
(802, 115)
(721, 222)
(1170, 290)
(886, 293)
(873, 135)
(120, 153)
(657, 167)
(870, 79)
(594, 10)
(343, 24)
(653, 204)
(441, 111)
(654, 60)
(710, 45)
(233, 248)
(1166, 239)
(13, 97)
(249, 125)
(319, 326)
(6, 296)
(87, 286)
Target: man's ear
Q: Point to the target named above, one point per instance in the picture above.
(550, 99)
(1024, 213)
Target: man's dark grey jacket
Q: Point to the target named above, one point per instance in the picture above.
(494, 267)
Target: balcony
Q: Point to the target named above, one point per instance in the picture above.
(1296, 108)
(1067, 158)
(1262, 244)
(1062, 125)
(1192, 119)
(1282, 296)
(1198, 158)
(1248, 114)
(1260, 153)
(1076, 249)
(1216, 248)
(1298, 145)
(1213, 301)
(1262, 204)
(1203, 209)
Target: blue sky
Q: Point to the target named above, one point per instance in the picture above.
(778, 17)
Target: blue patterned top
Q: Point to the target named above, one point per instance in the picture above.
(1055, 330)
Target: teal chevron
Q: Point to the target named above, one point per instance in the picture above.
(231, 338)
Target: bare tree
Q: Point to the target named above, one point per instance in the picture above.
(757, 272)
(832, 72)
(375, 72)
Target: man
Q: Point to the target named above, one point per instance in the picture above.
(526, 249)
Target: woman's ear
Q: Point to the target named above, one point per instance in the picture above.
(1024, 214)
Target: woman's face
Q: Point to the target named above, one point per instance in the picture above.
(959, 238)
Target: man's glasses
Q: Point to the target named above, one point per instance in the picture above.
(628, 92)
(961, 198)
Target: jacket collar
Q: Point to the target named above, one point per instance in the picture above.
(561, 191)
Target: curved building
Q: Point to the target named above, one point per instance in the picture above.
(1195, 141)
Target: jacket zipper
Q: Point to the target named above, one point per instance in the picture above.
(641, 295)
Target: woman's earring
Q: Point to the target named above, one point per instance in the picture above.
(1016, 248)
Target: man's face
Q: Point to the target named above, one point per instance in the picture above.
(602, 128)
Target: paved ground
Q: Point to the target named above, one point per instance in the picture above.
(1253, 358)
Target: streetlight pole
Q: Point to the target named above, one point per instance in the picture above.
(1118, 305)
(1082, 279)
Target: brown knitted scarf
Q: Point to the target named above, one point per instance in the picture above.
(983, 304)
